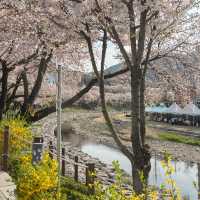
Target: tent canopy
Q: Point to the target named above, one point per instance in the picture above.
(174, 109)
(148, 109)
(191, 109)
(156, 109)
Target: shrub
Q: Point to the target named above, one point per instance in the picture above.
(20, 135)
(37, 182)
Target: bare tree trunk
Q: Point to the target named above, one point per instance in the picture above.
(29, 100)
(142, 112)
(135, 114)
(138, 162)
(12, 96)
(107, 118)
(137, 182)
(26, 92)
(141, 162)
(4, 87)
(41, 72)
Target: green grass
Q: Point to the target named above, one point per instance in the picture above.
(75, 190)
(179, 138)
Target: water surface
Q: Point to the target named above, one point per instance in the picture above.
(185, 173)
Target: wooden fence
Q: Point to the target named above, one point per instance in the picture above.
(37, 149)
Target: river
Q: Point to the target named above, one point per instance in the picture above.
(186, 174)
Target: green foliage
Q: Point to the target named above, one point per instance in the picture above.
(70, 184)
(75, 190)
(179, 138)
(75, 194)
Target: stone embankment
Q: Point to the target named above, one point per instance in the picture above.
(104, 172)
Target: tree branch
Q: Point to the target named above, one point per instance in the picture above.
(103, 103)
(90, 48)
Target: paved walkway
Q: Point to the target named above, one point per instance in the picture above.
(7, 187)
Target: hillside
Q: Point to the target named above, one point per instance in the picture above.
(161, 85)
(165, 81)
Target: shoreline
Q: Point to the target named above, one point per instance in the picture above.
(178, 151)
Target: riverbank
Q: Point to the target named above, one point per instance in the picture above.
(90, 124)
(84, 125)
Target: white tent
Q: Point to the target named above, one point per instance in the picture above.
(191, 109)
(174, 109)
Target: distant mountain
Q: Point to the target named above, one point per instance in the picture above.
(88, 76)
(166, 80)
(151, 75)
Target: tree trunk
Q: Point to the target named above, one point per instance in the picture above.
(142, 112)
(137, 182)
(10, 99)
(25, 84)
(38, 83)
(138, 163)
(141, 163)
(4, 87)
(135, 113)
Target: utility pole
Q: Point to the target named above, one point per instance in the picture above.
(59, 110)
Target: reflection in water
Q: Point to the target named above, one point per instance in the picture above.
(185, 174)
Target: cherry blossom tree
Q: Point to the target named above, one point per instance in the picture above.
(152, 29)
(23, 52)
(156, 29)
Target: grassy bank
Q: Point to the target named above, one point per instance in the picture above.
(174, 137)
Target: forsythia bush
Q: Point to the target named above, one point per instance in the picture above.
(19, 133)
(169, 188)
(37, 182)
(34, 182)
